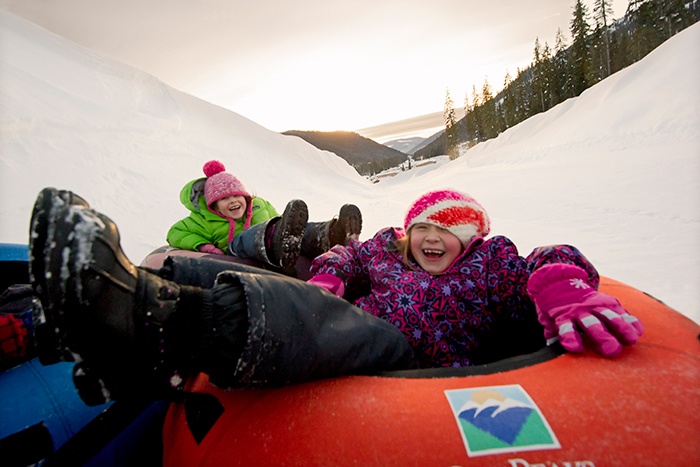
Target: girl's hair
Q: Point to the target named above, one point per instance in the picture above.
(403, 245)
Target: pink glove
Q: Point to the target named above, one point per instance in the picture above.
(209, 248)
(566, 303)
(329, 282)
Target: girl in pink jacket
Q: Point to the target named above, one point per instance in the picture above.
(458, 298)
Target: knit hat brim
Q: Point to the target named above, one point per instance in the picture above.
(456, 212)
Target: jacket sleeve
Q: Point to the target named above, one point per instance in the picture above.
(187, 234)
(343, 262)
(351, 263)
(508, 272)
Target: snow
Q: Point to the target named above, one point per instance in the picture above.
(615, 172)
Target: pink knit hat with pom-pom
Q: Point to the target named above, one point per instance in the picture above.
(456, 212)
(221, 184)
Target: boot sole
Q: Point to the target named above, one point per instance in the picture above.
(348, 226)
(56, 260)
(289, 232)
(73, 229)
(41, 225)
(45, 213)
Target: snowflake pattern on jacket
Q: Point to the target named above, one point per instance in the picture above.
(444, 316)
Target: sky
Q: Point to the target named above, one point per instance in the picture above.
(315, 65)
(613, 172)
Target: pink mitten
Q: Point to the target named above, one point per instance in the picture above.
(329, 282)
(566, 304)
(209, 248)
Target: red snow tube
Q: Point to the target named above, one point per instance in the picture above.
(546, 408)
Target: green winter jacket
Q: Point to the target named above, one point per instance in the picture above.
(203, 226)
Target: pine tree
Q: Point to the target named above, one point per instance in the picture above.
(675, 16)
(509, 104)
(489, 116)
(646, 33)
(536, 84)
(469, 121)
(450, 119)
(602, 14)
(581, 72)
(476, 116)
(522, 99)
(561, 79)
(547, 78)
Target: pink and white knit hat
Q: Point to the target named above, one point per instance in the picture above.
(456, 212)
(220, 184)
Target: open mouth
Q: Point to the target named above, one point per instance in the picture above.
(433, 253)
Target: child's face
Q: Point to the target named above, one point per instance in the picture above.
(434, 248)
(231, 206)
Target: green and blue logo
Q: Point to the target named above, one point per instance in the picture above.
(500, 419)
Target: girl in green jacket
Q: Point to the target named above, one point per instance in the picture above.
(225, 217)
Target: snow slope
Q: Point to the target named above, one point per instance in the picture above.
(614, 172)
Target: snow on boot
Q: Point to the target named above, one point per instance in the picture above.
(42, 225)
(347, 227)
(285, 239)
(132, 333)
(320, 237)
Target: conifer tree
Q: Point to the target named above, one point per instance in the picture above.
(451, 134)
(547, 77)
(468, 121)
(509, 104)
(645, 33)
(676, 16)
(602, 14)
(476, 116)
(522, 100)
(561, 82)
(489, 117)
(536, 84)
(581, 72)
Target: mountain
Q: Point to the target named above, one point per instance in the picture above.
(434, 146)
(367, 156)
(414, 145)
(404, 145)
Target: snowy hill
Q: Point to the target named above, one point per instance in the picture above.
(614, 172)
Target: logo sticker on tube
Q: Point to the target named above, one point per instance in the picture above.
(500, 419)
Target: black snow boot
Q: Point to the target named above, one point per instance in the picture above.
(42, 224)
(284, 236)
(322, 236)
(132, 333)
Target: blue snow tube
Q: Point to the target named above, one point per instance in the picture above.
(32, 394)
(43, 420)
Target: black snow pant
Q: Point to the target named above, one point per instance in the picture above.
(295, 331)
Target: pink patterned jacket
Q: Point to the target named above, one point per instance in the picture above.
(477, 311)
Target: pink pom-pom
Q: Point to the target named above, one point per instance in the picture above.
(213, 168)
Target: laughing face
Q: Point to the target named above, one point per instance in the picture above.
(233, 207)
(434, 248)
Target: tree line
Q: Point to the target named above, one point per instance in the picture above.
(599, 47)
